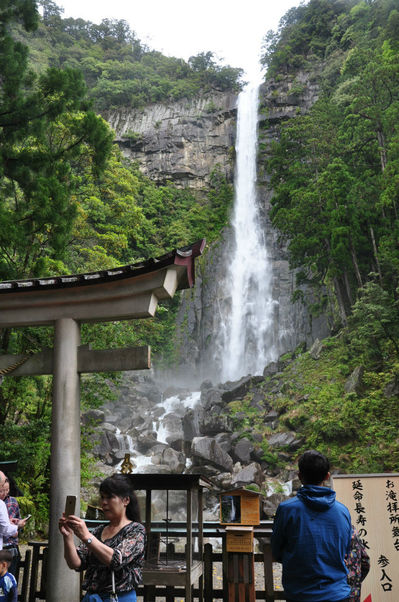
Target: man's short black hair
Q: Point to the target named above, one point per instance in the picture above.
(313, 467)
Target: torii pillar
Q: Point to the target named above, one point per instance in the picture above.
(65, 302)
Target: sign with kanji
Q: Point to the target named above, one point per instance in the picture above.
(373, 502)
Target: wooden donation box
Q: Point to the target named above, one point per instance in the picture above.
(173, 573)
(239, 513)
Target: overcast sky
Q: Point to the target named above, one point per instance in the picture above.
(232, 29)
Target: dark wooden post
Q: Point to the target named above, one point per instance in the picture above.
(189, 546)
(200, 543)
(208, 573)
(268, 568)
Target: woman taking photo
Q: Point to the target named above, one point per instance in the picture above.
(112, 553)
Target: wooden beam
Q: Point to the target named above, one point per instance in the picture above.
(114, 360)
(104, 360)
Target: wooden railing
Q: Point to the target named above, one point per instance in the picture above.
(33, 568)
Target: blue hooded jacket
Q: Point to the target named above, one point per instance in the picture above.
(311, 536)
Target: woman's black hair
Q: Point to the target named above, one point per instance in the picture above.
(120, 485)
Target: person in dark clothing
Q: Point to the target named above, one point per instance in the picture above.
(311, 537)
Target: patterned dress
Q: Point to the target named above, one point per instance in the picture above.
(128, 545)
(358, 565)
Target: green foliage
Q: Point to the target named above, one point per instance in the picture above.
(119, 70)
(45, 130)
(304, 33)
(174, 217)
(357, 431)
(374, 324)
(335, 200)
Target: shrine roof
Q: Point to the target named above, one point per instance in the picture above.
(123, 293)
(183, 256)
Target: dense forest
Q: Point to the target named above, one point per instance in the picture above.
(335, 199)
(69, 202)
(334, 171)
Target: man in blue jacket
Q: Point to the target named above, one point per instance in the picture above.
(311, 536)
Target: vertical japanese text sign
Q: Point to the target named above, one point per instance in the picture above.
(373, 501)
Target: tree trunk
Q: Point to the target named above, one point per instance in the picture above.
(383, 150)
(341, 304)
(348, 288)
(375, 253)
(356, 265)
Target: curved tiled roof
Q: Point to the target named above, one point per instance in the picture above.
(183, 256)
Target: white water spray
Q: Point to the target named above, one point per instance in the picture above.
(245, 340)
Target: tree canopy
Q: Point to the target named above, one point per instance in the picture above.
(335, 199)
(118, 68)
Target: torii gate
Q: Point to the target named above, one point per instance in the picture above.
(65, 302)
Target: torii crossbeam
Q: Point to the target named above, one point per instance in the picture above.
(65, 302)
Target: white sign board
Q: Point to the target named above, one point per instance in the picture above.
(373, 502)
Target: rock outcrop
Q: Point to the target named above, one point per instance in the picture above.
(181, 141)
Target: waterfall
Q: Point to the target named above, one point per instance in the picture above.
(245, 340)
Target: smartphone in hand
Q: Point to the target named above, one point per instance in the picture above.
(27, 517)
(70, 504)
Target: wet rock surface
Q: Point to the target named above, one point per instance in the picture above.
(195, 433)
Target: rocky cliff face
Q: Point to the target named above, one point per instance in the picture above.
(281, 100)
(201, 307)
(180, 142)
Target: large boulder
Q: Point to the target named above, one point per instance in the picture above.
(146, 441)
(248, 475)
(93, 417)
(316, 349)
(170, 457)
(270, 504)
(238, 390)
(226, 441)
(213, 421)
(191, 425)
(205, 450)
(173, 426)
(287, 439)
(243, 449)
(354, 383)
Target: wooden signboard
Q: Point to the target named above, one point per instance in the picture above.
(373, 502)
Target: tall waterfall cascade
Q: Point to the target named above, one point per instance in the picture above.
(245, 339)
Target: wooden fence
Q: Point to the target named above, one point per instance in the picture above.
(33, 569)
